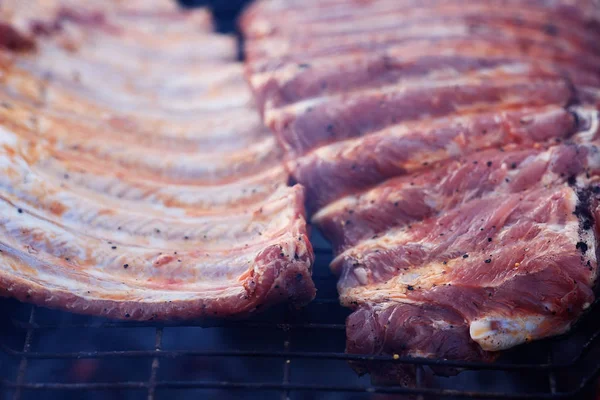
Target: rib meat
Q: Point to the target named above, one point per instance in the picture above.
(137, 180)
(449, 151)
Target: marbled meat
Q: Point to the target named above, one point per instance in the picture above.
(449, 151)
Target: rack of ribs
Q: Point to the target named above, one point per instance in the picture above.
(449, 152)
(137, 179)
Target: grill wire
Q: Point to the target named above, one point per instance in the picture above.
(281, 354)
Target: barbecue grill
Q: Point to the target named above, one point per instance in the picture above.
(283, 353)
(280, 354)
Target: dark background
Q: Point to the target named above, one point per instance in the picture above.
(225, 11)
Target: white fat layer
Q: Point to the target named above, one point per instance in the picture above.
(453, 149)
(336, 206)
(592, 117)
(441, 324)
(501, 332)
(361, 275)
(430, 201)
(396, 288)
(7, 137)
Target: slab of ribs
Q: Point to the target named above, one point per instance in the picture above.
(449, 153)
(137, 180)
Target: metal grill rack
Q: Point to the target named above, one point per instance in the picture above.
(281, 354)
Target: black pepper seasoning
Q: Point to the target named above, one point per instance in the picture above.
(582, 246)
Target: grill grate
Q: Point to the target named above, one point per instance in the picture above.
(281, 354)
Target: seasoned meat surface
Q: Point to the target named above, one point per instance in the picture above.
(450, 153)
(137, 178)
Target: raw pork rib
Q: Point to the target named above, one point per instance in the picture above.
(449, 151)
(137, 180)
